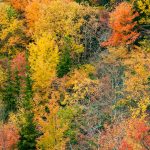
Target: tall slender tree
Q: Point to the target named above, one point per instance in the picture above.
(28, 132)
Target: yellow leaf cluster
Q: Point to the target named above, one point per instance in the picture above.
(43, 58)
(144, 9)
(52, 128)
(81, 84)
(2, 76)
(60, 19)
(2, 83)
(138, 73)
(140, 110)
(10, 32)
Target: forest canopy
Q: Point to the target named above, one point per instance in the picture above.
(74, 75)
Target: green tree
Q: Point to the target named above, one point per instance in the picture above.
(65, 62)
(9, 98)
(28, 132)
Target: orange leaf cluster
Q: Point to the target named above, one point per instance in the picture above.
(8, 136)
(122, 25)
(19, 5)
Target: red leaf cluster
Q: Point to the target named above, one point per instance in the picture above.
(127, 135)
(18, 63)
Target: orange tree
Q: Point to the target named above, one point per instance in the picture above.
(122, 24)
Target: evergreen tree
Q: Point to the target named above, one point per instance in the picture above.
(65, 63)
(9, 98)
(28, 132)
(17, 87)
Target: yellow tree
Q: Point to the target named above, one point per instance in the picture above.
(53, 119)
(50, 124)
(11, 32)
(143, 7)
(81, 84)
(43, 58)
(137, 73)
(59, 18)
(136, 83)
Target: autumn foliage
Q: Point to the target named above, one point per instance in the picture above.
(123, 135)
(123, 26)
(8, 136)
(74, 75)
(19, 4)
(18, 64)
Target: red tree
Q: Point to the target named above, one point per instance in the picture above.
(122, 24)
(19, 64)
